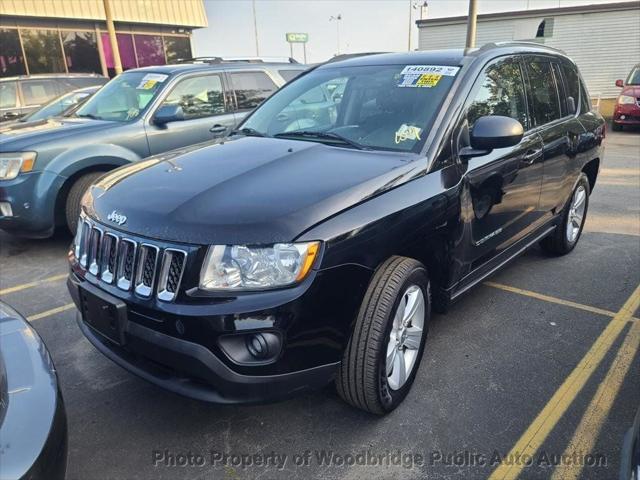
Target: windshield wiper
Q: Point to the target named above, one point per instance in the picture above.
(335, 137)
(247, 131)
(89, 115)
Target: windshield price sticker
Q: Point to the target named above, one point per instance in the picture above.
(435, 69)
(424, 76)
(426, 80)
(150, 80)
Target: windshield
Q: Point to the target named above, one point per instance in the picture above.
(634, 77)
(124, 98)
(376, 107)
(58, 106)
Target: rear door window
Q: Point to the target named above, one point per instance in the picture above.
(544, 93)
(501, 92)
(251, 88)
(38, 92)
(8, 97)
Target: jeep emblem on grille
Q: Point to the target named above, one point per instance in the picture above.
(116, 217)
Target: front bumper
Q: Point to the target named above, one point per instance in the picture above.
(314, 324)
(626, 114)
(32, 197)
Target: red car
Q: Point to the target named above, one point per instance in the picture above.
(627, 111)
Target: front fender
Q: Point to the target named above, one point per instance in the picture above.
(83, 157)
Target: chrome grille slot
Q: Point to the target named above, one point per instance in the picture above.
(126, 263)
(78, 238)
(109, 255)
(171, 272)
(94, 251)
(146, 269)
(84, 244)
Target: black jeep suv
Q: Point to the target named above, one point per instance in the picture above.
(312, 244)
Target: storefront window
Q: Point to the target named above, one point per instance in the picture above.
(127, 53)
(81, 52)
(11, 61)
(178, 48)
(149, 50)
(43, 51)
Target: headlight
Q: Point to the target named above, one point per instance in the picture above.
(239, 267)
(626, 99)
(11, 164)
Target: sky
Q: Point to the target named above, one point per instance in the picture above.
(372, 25)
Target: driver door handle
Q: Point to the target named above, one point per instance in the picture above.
(218, 129)
(531, 156)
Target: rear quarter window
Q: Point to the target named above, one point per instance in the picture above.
(572, 83)
(289, 75)
(544, 93)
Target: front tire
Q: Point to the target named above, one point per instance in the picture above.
(387, 343)
(616, 127)
(566, 235)
(72, 205)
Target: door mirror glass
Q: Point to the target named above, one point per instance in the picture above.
(619, 83)
(495, 131)
(168, 113)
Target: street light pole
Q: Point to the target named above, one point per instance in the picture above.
(255, 27)
(411, 7)
(471, 24)
(113, 40)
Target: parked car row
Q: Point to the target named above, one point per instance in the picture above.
(25, 93)
(311, 245)
(46, 167)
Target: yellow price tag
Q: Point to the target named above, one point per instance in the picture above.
(428, 80)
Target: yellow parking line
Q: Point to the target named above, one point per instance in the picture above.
(531, 440)
(53, 311)
(547, 298)
(591, 423)
(24, 286)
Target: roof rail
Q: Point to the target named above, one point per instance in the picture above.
(524, 43)
(239, 59)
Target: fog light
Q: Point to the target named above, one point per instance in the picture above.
(5, 209)
(622, 117)
(252, 348)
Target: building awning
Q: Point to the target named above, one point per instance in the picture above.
(184, 13)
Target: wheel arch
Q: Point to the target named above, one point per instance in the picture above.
(63, 193)
(591, 169)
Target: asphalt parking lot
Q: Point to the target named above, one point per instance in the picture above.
(542, 360)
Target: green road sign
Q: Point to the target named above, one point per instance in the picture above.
(297, 37)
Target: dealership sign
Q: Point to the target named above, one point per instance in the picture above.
(297, 37)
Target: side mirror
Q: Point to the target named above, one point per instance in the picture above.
(168, 113)
(490, 132)
(619, 83)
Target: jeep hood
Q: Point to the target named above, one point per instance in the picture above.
(22, 136)
(247, 190)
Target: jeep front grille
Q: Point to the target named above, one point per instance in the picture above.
(111, 257)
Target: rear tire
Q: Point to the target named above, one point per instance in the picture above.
(565, 237)
(380, 362)
(72, 205)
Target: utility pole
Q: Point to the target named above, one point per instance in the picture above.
(337, 19)
(113, 40)
(411, 7)
(471, 24)
(255, 27)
